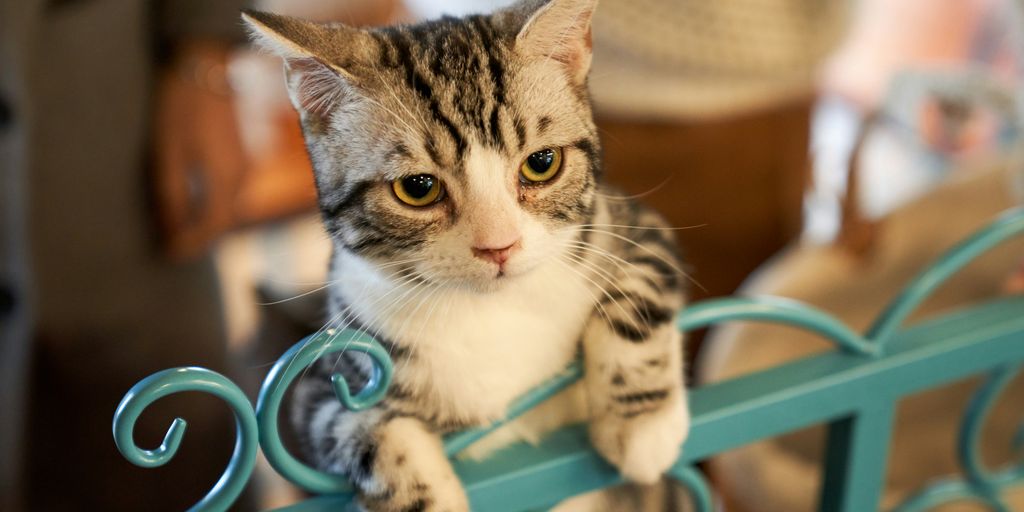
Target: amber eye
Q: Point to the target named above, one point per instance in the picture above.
(417, 190)
(542, 165)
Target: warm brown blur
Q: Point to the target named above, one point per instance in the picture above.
(157, 208)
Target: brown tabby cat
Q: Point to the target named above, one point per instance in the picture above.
(458, 171)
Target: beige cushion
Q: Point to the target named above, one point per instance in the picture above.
(782, 474)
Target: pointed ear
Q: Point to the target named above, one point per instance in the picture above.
(559, 30)
(318, 58)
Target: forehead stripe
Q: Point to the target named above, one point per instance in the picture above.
(355, 194)
(420, 84)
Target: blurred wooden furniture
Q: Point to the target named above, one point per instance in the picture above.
(205, 182)
(737, 181)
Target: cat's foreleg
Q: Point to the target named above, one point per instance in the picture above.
(634, 378)
(396, 462)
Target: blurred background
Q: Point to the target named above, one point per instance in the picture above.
(157, 206)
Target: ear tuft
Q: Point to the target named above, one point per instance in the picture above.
(276, 33)
(316, 84)
(559, 30)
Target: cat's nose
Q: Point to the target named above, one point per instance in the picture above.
(498, 255)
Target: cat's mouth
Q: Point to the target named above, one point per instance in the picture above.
(496, 277)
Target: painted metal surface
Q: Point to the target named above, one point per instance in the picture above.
(853, 389)
(178, 380)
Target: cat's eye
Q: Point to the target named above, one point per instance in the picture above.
(541, 165)
(417, 190)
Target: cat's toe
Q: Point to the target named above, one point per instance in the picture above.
(643, 447)
(651, 448)
(439, 497)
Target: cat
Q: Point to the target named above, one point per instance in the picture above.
(458, 173)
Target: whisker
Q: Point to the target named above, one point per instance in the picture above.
(609, 278)
(650, 191)
(616, 260)
(643, 228)
(591, 247)
(400, 334)
(299, 296)
(348, 315)
(594, 300)
(328, 283)
(400, 300)
(650, 252)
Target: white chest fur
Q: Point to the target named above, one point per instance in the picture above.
(476, 352)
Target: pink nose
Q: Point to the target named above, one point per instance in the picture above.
(499, 256)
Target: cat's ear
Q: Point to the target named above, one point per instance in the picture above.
(318, 57)
(558, 30)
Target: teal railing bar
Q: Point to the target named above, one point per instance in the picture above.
(979, 484)
(1008, 225)
(694, 481)
(855, 458)
(730, 414)
(776, 310)
(853, 389)
(177, 380)
(969, 440)
(952, 490)
(831, 386)
(291, 365)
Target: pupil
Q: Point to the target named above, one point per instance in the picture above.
(541, 161)
(418, 186)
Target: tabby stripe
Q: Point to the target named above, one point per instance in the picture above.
(497, 70)
(399, 392)
(642, 396)
(668, 274)
(520, 127)
(496, 137)
(314, 402)
(396, 351)
(649, 313)
(629, 331)
(588, 148)
(419, 505)
(354, 195)
(400, 150)
(365, 242)
(430, 144)
(543, 124)
(366, 460)
(419, 83)
(497, 76)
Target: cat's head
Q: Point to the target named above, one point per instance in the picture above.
(466, 146)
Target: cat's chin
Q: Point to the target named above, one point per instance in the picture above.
(487, 285)
(491, 283)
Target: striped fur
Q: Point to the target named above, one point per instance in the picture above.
(467, 100)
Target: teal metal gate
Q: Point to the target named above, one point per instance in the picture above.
(853, 389)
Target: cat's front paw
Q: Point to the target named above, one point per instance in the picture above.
(409, 472)
(643, 446)
(440, 496)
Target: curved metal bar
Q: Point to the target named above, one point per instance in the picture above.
(944, 493)
(289, 366)
(969, 438)
(1006, 226)
(775, 310)
(694, 481)
(981, 483)
(459, 441)
(177, 380)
